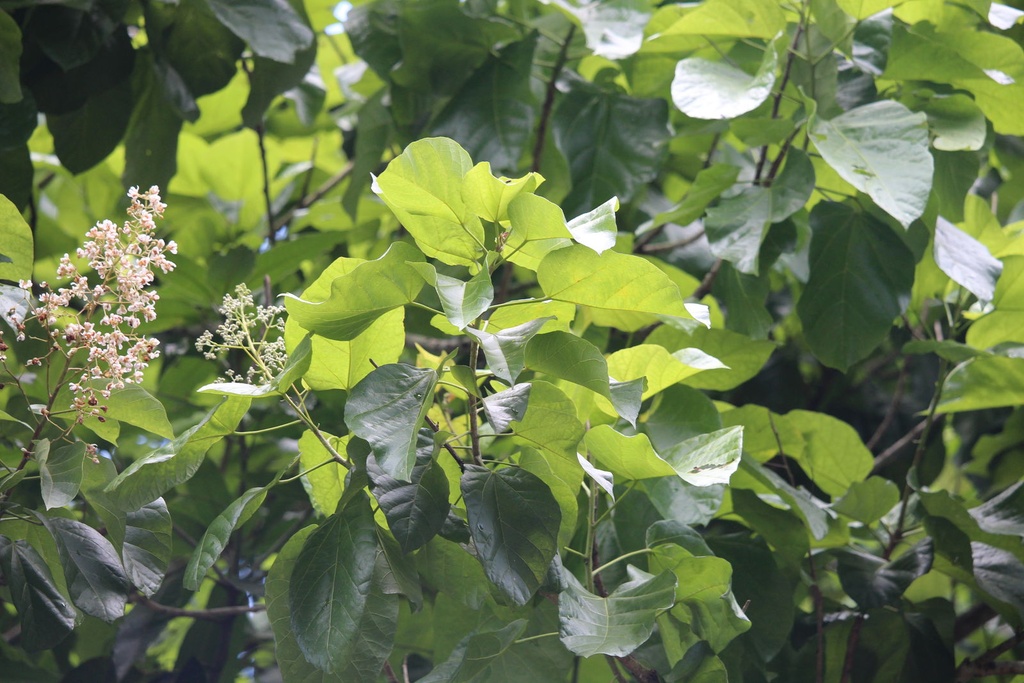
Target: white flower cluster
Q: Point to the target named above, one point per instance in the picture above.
(124, 259)
(243, 318)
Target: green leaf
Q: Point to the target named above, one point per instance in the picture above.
(18, 245)
(881, 149)
(704, 596)
(335, 572)
(147, 546)
(737, 227)
(505, 407)
(873, 582)
(737, 18)
(151, 141)
(475, 652)
(537, 228)
(616, 625)
(272, 28)
(703, 89)
(361, 296)
(423, 187)
(1003, 514)
(965, 260)
(833, 455)
(953, 351)
(492, 115)
(174, 463)
(985, 382)
(463, 302)
(596, 229)
(869, 500)
(415, 509)
(610, 280)
(86, 136)
(506, 350)
(743, 356)
(550, 424)
(613, 143)
(707, 459)
(707, 187)
(798, 499)
(216, 536)
(1005, 324)
(613, 29)
(956, 122)
(93, 571)
(324, 485)
(513, 520)
(489, 197)
(375, 130)
(136, 406)
(46, 617)
(660, 368)
(386, 408)
(627, 457)
(681, 413)
(861, 275)
(10, 55)
(60, 472)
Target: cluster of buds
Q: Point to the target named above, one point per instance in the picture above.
(100, 319)
(255, 330)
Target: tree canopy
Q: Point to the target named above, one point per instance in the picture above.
(464, 341)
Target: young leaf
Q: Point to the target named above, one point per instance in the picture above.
(861, 275)
(965, 260)
(616, 625)
(324, 485)
(513, 519)
(537, 228)
(596, 229)
(46, 617)
(146, 550)
(360, 297)
(415, 509)
(216, 536)
(463, 302)
(489, 197)
(506, 350)
(60, 473)
(881, 149)
(333, 577)
(704, 89)
(93, 571)
(506, 407)
(386, 409)
(172, 464)
(423, 187)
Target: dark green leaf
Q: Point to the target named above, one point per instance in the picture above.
(492, 115)
(84, 137)
(151, 140)
(46, 618)
(334, 571)
(10, 53)
(216, 536)
(707, 186)
(873, 582)
(60, 472)
(96, 580)
(147, 546)
(513, 519)
(616, 625)
(386, 408)
(1003, 514)
(415, 509)
(374, 132)
(744, 297)
(613, 143)
(869, 500)
(1000, 574)
(272, 28)
(861, 275)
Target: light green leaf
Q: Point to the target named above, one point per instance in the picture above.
(299, 359)
(273, 29)
(1006, 323)
(46, 616)
(506, 350)
(661, 368)
(335, 572)
(489, 197)
(610, 280)
(324, 485)
(241, 389)
(881, 149)
(505, 407)
(704, 89)
(707, 459)
(984, 382)
(462, 301)
(60, 472)
(361, 296)
(550, 424)
(387, 408)
(147, 546)
(615, 28)
(17, 242)
(596, 229)
(513, 520)
(538, 227)
(861, 276)
(96, 580)
(737, 18)
(564, 478)
(965, 260)
(627, 457)
(174, 463)
(743, 356)
(616, 625)
(707, 187)
(956, 122)
(833, 455)
(216, 536)
(423, 187)
(862, 9)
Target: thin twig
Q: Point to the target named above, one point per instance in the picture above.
(674, 244)
(791, 57)
(549, 100)
(819, 619)
(708, 282)
(894, 404)
(314, 196)
(447, 446)
(390, 673)
(885, 457)
(472, 403)
(851, 648)
(209, 614)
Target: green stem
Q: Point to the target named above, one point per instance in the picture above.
(536, 637)
(620, 558)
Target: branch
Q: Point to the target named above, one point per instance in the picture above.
(549, 100)
(890, 414)
(315, 196)
(708, 282)
(209, 614)
(886, 457)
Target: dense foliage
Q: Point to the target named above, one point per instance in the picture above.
(511, 341)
